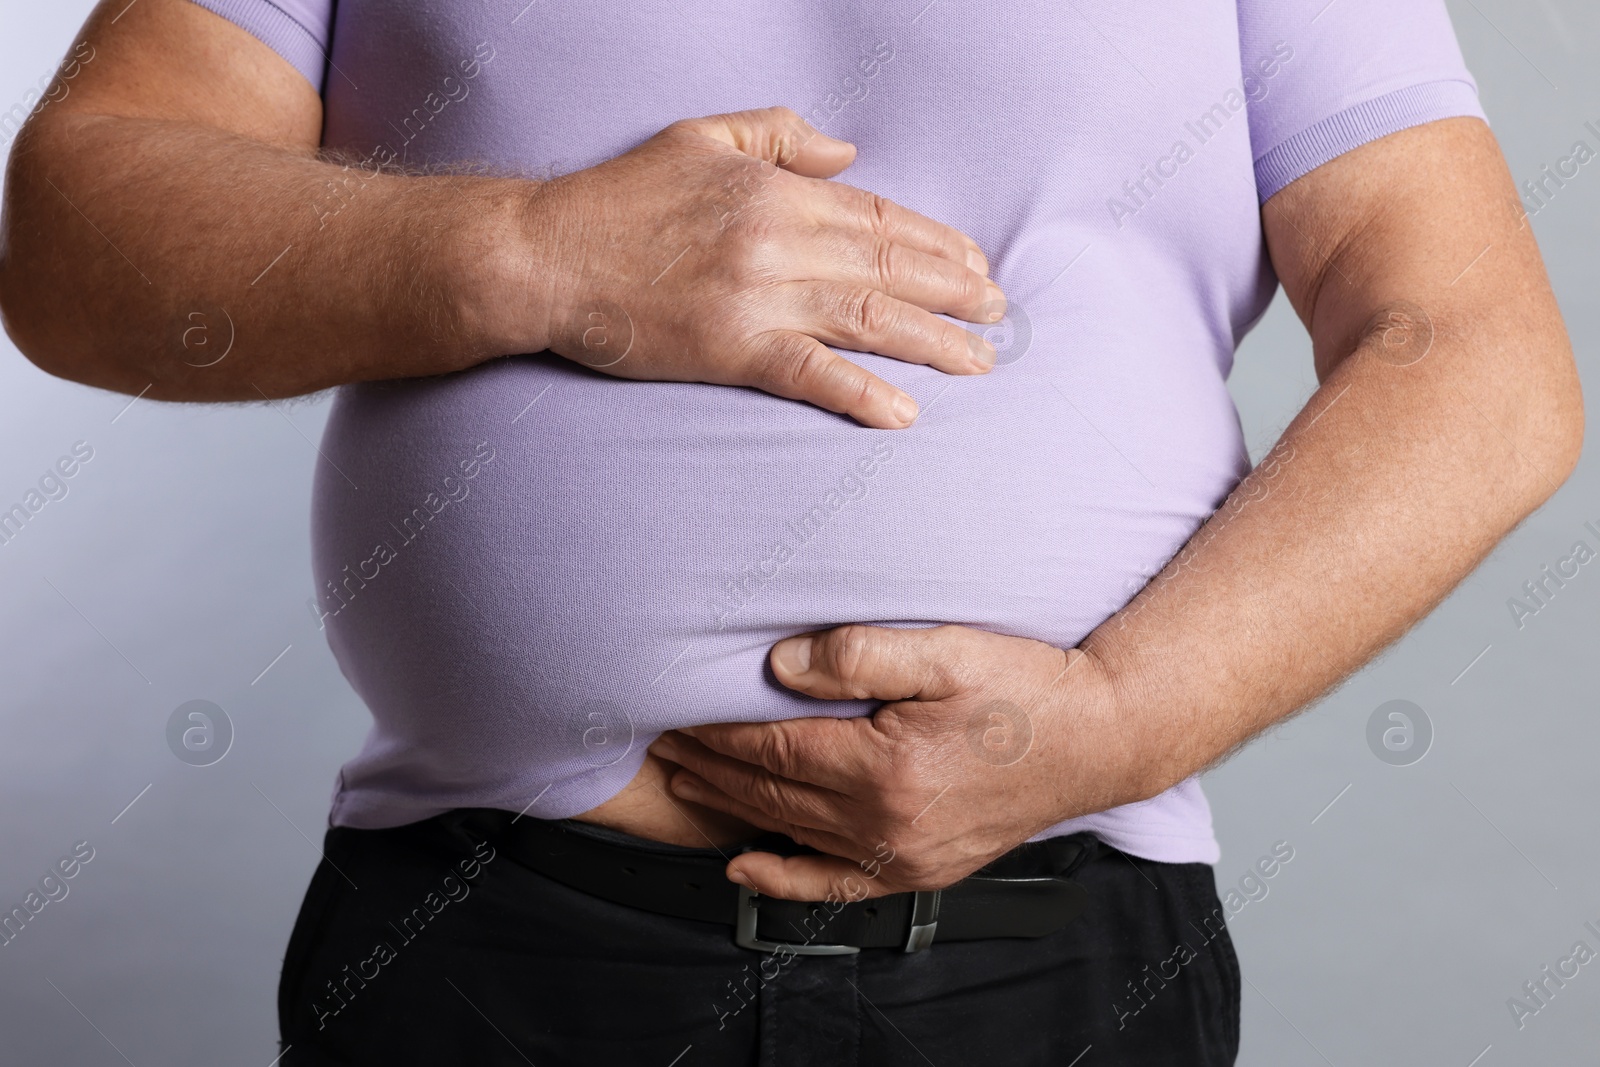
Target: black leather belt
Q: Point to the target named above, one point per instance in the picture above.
(1025, 893)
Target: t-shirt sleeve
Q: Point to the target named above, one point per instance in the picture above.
(1325, 76)
(298, 30)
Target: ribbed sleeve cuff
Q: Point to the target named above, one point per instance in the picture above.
(278, 31)
(1355, 126)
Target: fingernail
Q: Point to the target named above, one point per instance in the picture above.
(687, 730)
(997, 299)
(977, 262)
(663, 747)
(793, 655)
(738, 876)
(685, 788)
(983, 353)
(905, 409)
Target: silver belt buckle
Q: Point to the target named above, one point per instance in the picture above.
(919, 935)
(924, 920)
(744, 933)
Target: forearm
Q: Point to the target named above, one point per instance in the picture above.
(1386, 490)
(136, 251)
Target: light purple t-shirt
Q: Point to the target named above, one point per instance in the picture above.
(530, 569)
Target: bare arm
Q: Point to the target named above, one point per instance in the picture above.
(175, 196)
(182, 163)
(1449, 409)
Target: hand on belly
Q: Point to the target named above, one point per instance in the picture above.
(985, 741)
(646, 808)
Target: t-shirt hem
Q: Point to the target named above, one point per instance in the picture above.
(1162, 848)
(384, 810)
(278, 31)
(1361, 124)
(1178, 846)
(1151, 845)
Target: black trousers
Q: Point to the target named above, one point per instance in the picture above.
(423, 945)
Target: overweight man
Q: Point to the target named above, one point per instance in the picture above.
(781, 503)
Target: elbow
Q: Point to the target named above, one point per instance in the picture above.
(23, 312)
(1553, 426)
(1570, 432)
(1566, 417)
(46, 288)
(16, 305)
(22, 316)
(63, 346)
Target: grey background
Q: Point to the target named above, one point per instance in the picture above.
(177, 568)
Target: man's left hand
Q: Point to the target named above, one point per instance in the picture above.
(986, 740)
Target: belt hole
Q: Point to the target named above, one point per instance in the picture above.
(691, 885)
(872, 913)
(629, 870)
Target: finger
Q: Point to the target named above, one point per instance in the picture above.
(798, 367)
(781, 798)
(686, 785)
(870, 663)
(838, 755)
(805, 877)
(779, 136)
(868, 320)
(909, 274)
(856, 209)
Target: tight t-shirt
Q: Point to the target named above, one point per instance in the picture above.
(530, 569)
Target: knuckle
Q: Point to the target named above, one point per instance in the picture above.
(845, 887)
(887, 263)
(945, 672)
(770, 361)
(955, 344)
(848, 653)
(766, 795)
(683, 129)
(862, 388)
(749, 243)
(871, 313)
(775, 750)
(952, 245)
(971, 289)
(806, 367)
(879, 212)
(787, 132)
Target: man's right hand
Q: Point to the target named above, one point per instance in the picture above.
(718, 252)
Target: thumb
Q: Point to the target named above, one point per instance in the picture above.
(781, 137)
(867, 663)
